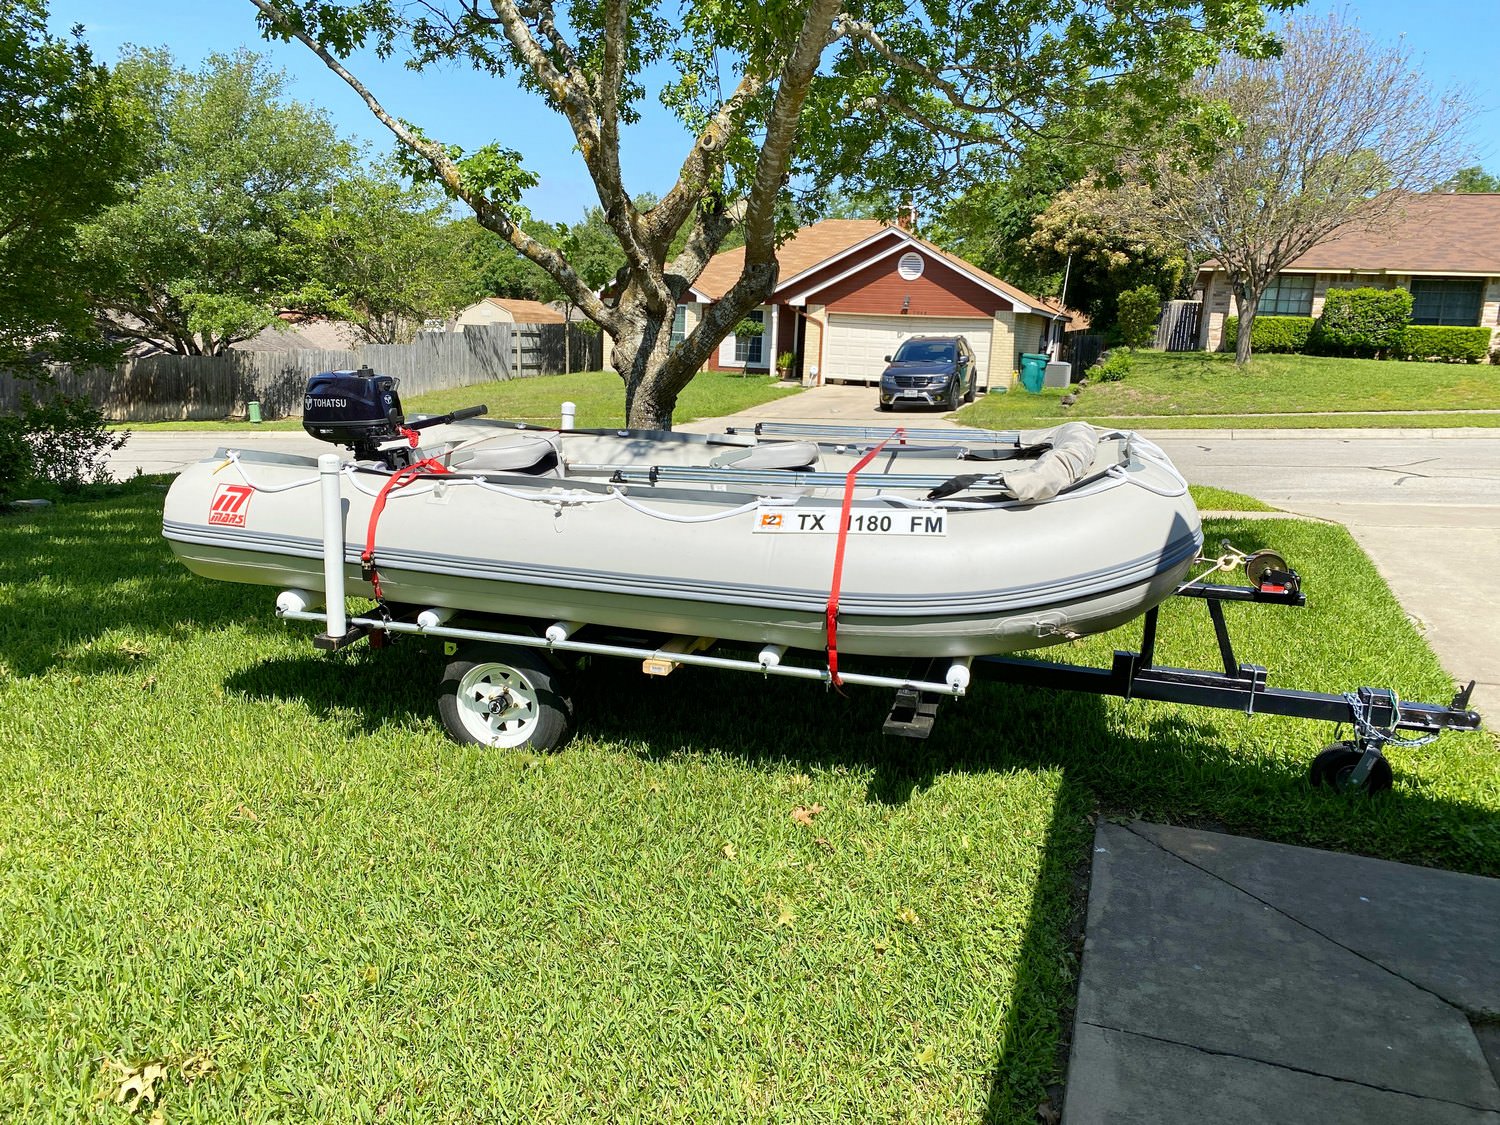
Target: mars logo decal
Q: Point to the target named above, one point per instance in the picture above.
(230, 505)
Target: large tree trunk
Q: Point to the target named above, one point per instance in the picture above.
(1246, 301)
(653, 371)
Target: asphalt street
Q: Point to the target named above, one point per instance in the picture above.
(1424, 504)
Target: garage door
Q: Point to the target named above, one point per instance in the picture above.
(856, 346)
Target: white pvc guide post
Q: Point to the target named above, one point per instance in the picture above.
(329, 467)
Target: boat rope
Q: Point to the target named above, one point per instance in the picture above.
(232, 456)
(399, 479)
(1122, 474)
(637, 506)
(831, 613)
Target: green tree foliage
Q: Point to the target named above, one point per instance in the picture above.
(385, 256)
(1473, 180)
(65, 142)
(782, 104)
(1105, 250)
(1336, 132)
(205, 252)
(502, 270)
(1137, 311)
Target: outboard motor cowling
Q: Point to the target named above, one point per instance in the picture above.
(361, 410)
(356, 409)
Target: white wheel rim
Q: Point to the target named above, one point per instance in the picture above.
(498, 705)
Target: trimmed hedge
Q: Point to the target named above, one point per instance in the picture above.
(1271, 333)
(1444, 342)
(1362, 322)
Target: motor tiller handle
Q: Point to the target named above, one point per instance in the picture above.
(444, 419)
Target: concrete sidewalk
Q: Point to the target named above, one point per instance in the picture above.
(1233, 980)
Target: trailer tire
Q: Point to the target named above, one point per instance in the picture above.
(1334, 765)
(505, 697)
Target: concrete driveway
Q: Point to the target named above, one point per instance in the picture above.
(1424, 504)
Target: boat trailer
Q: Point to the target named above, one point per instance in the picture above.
(502, 687)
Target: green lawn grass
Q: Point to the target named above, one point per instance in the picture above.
(1210, 499)
(220, 848)
(1203, 390)
(599, 395)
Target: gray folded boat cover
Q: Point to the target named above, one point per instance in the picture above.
(1070, 459)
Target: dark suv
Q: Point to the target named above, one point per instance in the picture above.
(933, 370)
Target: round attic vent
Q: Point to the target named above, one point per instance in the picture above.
(910, 266)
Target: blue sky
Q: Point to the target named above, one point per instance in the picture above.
(1454, 42)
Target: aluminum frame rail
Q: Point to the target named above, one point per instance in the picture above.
(851, 434)
(764, 478)
(360, 627)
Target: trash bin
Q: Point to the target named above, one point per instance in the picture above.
(1033, 371)
(253, 409)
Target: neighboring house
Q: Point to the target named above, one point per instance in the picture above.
(295, 333)
(851, 290)
(304, 333)
(1444, 248)
(509, 310)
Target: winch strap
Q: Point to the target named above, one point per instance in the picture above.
(832, 611)
(399, 479)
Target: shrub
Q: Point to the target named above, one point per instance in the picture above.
(1271, 333)
(60, 441)
(1136, 314)
(15, 456)
(1111, 366)
(1444, 342)
(1362, 322)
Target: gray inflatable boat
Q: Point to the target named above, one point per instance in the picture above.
(932, 543)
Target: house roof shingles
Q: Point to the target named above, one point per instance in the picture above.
(527, 312)
(801, 252)
(811, 246)
(1455, 233)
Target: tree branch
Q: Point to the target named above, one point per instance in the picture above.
(490, 214)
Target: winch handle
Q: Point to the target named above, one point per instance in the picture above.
(444, 419)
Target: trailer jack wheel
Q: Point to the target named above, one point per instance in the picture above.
(506, 697)
(1336, 765)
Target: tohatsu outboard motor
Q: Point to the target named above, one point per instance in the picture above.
(361, 410)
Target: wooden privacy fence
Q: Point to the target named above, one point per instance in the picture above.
(1177, 330)
(171, 388)
(1081, 349)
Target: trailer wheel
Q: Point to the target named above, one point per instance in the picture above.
(510, 698)
(1334, 766)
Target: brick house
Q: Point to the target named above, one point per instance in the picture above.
(851, 290)
(1444, 248)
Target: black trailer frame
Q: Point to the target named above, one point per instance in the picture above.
(1375, 714)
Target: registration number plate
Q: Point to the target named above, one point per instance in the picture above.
(790, 521)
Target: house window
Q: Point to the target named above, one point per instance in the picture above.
(1446, 300)
(679, 325)
(1289, 294)
(748, 350)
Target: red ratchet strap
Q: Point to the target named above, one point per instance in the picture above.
(399, 479)
(832, 612)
